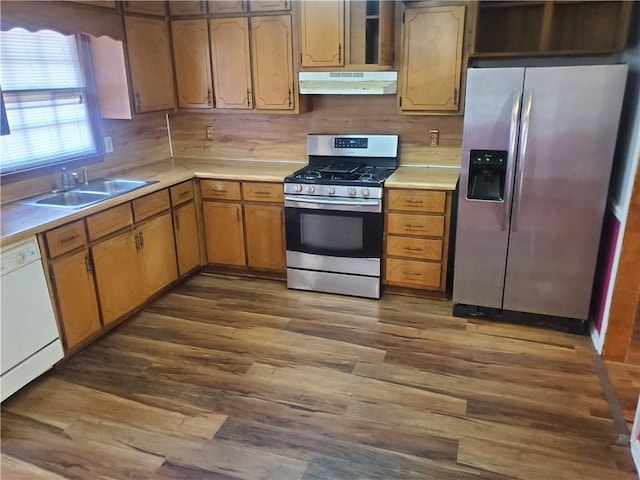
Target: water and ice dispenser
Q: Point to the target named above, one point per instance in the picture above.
(487, 170)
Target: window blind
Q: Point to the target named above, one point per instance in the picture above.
(45, 99)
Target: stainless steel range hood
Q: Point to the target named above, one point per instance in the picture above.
(348, 83)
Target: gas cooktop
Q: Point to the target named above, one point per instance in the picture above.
(342, 174)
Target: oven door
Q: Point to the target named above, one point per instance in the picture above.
(334, 227)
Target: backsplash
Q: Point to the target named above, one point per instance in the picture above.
(259, 136)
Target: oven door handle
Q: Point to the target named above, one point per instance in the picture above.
(331, 204)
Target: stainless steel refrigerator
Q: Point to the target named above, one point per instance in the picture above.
(537, 151)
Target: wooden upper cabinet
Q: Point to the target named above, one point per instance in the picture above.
(270, 5)
(144, 7)
(186, 7)
(272, 58)
(228, 6)
(150, 64)
(322, 28)
(192, 62)
(432, 58)
(231, 62)
(224, 233)
(157, 254)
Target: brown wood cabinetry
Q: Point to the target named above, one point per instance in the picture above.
(228, 6)
(186, 7)
(247, 233)
(272, 62)
(551, 27)
(231, 62)
(150, 63)
(185, 227)
(192, 63)
(157, 254)
(416, 239)
(269, 5)
(145, 7)
(322, 27)
(432, 58)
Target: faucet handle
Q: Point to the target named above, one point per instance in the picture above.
(74, 178)
(85, 175)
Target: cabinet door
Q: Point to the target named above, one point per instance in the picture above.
(228, 6)
(272, 61)
(269, 5)
(150, 64)
(76, 297)
(231, 62)
(144, 7)
(118, 275)
(224, 233)
(265, 236)
(157, 253)
(187, 7)
(185, 224)
(322, 24)
(432, 58)
(192, 62)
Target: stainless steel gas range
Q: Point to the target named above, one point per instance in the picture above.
(334, 217)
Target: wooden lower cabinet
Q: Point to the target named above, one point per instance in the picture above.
(118, 275)
(265, 236)
(157, 254)
(76, 300)
(224, 233)
(185, 226)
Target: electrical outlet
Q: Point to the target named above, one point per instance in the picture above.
(434, 138)
(108, 145)
(208, 130)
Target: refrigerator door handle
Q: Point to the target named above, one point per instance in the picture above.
(522, 155)
(513, 141)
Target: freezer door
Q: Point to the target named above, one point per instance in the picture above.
(490, 123)
(568, 134)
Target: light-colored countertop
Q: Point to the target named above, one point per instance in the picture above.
(432, 178)
(18, 222)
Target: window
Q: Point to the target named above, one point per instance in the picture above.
(50, 119)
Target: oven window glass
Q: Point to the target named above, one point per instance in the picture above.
(335, 233)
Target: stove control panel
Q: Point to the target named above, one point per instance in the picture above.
(332, 190)
(342, 142)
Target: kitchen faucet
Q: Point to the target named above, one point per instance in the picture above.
(70, 180)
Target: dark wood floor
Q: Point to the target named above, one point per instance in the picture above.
(243, 379)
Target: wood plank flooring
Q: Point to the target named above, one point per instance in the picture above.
(239, 379)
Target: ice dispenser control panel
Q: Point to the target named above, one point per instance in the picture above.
(487, 170)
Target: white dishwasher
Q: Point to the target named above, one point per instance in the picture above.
(29, 339)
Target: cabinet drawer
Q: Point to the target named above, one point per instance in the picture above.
(420, 225)
(220, 190)
(151, 204)
(183, 192)
(418, 248)
(109, 221)
(66, 238)
(409, 272)
(263, 192)
(417, 200)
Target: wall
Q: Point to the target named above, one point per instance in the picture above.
(260, 136)
(138, 141)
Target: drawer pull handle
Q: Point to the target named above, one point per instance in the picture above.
(413, 274)
(219, 190)
(414, 201)
(414, 225)
(261, 192)
(184, 194)
(70, 238)
(413, 249)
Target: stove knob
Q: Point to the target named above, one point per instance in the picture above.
(351, 192)
(331, 190)
(365, 192)
(297, 188)
(310, 189)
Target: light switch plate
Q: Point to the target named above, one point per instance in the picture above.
(208, 130)
(108, 145)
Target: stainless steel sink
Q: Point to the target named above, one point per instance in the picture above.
(71, 199)
(112, 186)
(84, 195)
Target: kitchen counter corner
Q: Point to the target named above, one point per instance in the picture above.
(424, 177)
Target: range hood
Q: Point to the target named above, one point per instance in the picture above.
(348, 83)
